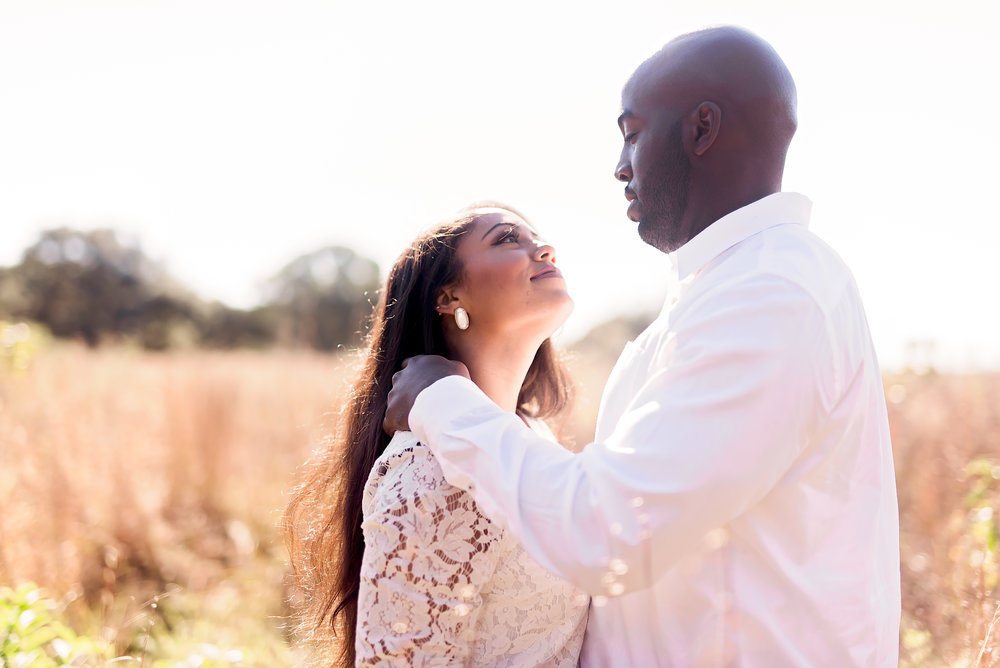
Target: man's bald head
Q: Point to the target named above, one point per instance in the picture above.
(732, 67)
(716, 110)
(727, 59)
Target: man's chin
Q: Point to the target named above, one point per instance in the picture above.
(656, 237)
(647, 233)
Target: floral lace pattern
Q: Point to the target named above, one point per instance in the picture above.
(442, 584)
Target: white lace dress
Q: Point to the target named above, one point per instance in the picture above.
(441, 584)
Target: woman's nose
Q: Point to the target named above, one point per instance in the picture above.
(544, 251)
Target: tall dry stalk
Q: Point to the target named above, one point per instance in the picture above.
(123, 473)
(946, 440)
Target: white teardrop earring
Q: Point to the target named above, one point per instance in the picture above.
(461, 318)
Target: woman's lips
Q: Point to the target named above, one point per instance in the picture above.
(550, 272)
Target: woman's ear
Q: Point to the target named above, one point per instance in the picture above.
(447, 301)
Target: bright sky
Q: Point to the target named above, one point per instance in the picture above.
(231, 136)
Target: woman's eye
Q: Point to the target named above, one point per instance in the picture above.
(509, 236)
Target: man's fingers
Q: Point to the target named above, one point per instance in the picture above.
(394, 420)
(389, 423)
(389, 426)
(426, 369)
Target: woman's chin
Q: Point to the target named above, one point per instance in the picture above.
(564, 311)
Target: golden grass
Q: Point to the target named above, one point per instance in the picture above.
(946, 441)
(125, 476)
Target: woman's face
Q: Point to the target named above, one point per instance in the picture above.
(509, 282)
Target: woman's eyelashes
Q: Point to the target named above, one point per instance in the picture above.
(509, 235)
(515, 234)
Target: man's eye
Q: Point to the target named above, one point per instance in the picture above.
(630, 137)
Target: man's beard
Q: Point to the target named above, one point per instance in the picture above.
(665, 196)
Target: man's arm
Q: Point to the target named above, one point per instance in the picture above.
(704, 439)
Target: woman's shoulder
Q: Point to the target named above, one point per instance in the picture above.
(406, 452)
(406, 468)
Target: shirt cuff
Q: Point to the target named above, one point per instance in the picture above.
(443, 400)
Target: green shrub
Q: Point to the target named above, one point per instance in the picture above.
(32, 637)
(19, 344)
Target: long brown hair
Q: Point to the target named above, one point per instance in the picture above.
(323, 520)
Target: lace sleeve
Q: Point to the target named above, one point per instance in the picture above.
(428, 552)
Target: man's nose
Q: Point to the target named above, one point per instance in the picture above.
(623, 172)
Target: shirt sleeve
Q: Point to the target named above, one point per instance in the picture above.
(737, 390)
(428, 552)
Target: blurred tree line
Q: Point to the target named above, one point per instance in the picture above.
(96, 287)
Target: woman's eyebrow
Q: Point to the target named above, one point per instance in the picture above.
(500, 224)
(511, 226)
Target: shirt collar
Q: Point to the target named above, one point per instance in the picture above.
(778, 209)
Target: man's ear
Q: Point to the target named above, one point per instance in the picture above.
(447, 301)
(706, 120)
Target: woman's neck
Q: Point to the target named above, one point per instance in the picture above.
(497, 366)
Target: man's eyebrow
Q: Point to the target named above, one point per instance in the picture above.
(621, 119)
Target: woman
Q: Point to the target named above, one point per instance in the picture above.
(400, 566)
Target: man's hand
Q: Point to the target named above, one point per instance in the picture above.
(417, 374)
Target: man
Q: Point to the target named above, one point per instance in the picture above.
(738, 504)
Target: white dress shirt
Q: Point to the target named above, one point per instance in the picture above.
(738, 506)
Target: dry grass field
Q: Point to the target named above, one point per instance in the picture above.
(127, 476)
(141, 492)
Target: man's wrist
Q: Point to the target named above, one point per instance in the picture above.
(434, 399)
